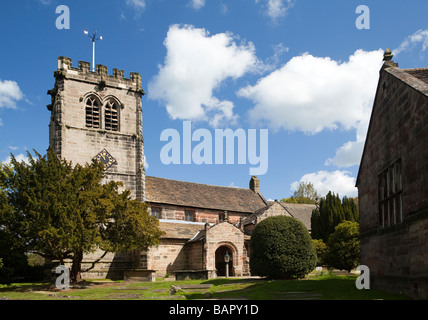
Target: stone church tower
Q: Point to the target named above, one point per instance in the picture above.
(96, 115)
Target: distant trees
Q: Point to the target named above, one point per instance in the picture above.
(330, 212)
(335, 230)
(305, 193)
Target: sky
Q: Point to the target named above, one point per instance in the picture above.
(304, 72)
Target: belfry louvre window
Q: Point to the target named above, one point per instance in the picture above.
(391, 196)
(111, 111)
(93, 107)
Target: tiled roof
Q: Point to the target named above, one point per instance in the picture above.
(179, 230)
(302, 212)
(420, 73)
(257, 213)
(189, 194)
(415, 78)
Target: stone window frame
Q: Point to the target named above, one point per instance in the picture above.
(152, 212)
(91, 113)
(390, 195)
(189, 215)
(111, 116)
(111, 119)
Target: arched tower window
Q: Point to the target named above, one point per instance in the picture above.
(111, 117)
(93, 107)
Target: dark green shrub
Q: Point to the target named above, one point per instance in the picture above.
(281, 248)
(321, 250)
(34, 273)
(344, 246)
(6, 275)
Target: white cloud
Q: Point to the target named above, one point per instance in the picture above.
(337, 181)
(420, 36)
(349, 154)
(197, 4)
(232, 185)
(197, 64)
(137, 5)
(146, 164)
(276, 8)
(311, 94)
(224, 9)
(10, 93)
(20, 157)
(45, 2)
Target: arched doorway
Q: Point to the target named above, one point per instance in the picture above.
(220, 264)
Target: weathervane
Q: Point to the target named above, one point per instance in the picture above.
(93, 37)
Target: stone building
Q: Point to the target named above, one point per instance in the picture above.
(96, 115)
(392, 183)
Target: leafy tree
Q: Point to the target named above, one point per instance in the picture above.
(305, 193)
(330, 212)
(321, 250)
(344, 246)
(281, 247)
(6, 274)
(61, 211)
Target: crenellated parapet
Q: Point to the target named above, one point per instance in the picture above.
(99, 77)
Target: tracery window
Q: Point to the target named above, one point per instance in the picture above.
(93, 106)
(111, 115)
(391, 196)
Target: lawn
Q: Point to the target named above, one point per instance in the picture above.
(321, 287)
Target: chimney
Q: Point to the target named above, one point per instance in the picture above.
(255, 184)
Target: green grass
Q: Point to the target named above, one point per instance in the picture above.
(321, 287)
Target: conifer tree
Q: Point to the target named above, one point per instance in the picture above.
(61, 211)
(331, 212)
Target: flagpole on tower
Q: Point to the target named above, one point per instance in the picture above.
(93, 37)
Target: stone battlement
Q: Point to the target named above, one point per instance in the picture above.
(83, 72)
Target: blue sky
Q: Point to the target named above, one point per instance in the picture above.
(299, 68)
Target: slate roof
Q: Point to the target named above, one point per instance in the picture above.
(416, 78)
(179, 229)
(302, 212)
(420, 73)
(259, 212)
(196, 195)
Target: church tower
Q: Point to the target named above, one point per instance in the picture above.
(96, 115)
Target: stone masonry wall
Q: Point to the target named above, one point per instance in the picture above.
(169, 256)
(226, 234)
(396, 255)
(275, 210)
(172, 212)
(75, 142)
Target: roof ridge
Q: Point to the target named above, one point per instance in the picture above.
(202, 184)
